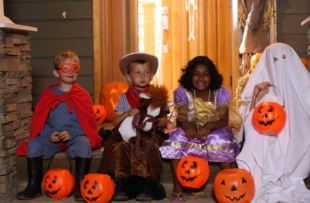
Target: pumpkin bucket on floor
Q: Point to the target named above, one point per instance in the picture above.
(234, 185)
(97, 187)
(58, 183)
(268, 117)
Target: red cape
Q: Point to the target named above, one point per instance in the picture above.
(83, 108)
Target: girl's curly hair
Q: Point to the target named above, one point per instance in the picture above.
(186, 80)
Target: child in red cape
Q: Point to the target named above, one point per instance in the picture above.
(63, 121)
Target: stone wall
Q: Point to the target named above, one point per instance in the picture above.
(15, 105)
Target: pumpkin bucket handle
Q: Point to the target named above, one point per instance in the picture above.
(274, 87)
(48, 166)
(245, 164)
(187, 143)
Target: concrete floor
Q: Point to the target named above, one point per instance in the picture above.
(70, 199)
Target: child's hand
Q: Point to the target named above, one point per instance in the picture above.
(261, 89)
(64, 136)
(133, 112)
(55, 137)
(203, 132)
(190, 131)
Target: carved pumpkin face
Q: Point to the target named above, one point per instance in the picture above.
(97, 187)
(234, 185)
(100, 113)
(58, 183)
(269, 118)
(110, 95)
(193, 172)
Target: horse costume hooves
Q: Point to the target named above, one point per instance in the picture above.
(156, 189)
(133, 186)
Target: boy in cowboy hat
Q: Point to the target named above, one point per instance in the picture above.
(138, 68)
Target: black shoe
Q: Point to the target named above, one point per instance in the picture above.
(81, 169)
(35, 173)
(119, 194)
(155, 189)
(144, 197)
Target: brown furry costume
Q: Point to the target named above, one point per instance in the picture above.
(119, 157)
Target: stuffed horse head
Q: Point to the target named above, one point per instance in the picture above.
(152, 104)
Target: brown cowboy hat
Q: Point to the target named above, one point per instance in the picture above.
(126, 60)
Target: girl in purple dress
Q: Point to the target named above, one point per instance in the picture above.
(204, 120)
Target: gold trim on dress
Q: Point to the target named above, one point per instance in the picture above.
(198, 146)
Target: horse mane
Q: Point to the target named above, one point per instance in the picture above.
(159, 98)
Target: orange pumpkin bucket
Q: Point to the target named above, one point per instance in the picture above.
(268, 117)
(234, 185)
(58, 183)
(97, 187)
(100, 113)
(193, 172)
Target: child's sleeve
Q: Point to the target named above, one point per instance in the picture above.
(179, 96)
(122, 104)
(181, 104)
(223, 96)
(47, 130)
(76, 131)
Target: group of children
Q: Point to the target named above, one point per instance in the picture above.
(63, 120)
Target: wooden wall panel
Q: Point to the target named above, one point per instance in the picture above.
(51, 47)
(224, 40)
(290, 24)
(54, 35)
(111, 38)
(47, 10)
(60, 29)
(293, 6)
(211, 31)
(290, 14)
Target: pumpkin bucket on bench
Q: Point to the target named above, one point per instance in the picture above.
(58, 183)
(234, 185)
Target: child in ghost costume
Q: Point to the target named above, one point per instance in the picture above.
(279, 163)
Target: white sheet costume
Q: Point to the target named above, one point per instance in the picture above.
(279, 163)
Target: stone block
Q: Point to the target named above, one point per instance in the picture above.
(3, 49)
(3, 91)
(25, 82)
(2, 81)
(24, 121)
(12, 89)
(23, 107)
(25, 47)
(11, 107)
(11, 82)
(9, 63)
(25, 115)
(19, 131)
(5, 118)
(7, 127)
(15, 51)
(8, 108)
(11, 75)
(22, 67)
(29, 88)
(22, 137)
(29, 97)
(3, 154)
(6, 99)
(16, 41)
(17, 124)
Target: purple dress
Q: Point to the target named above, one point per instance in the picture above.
(219, 145)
